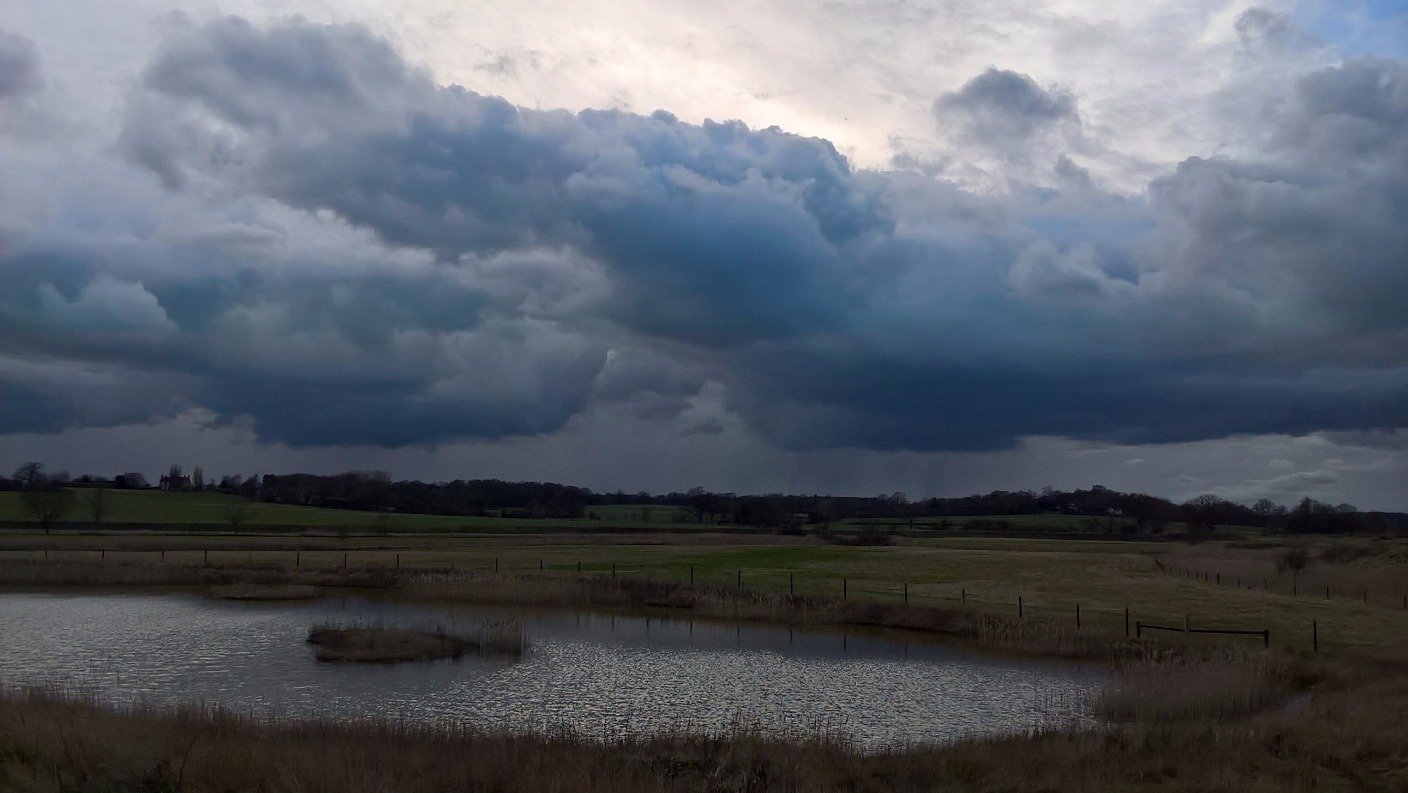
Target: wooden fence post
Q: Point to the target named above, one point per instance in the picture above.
(344, 560)
(845, 589)
(791, 583)
(297, 559)
(398, 561)
(691, 575)
(205, 558)
(1126, 622)
(1138, 630)
(1266, 639)
(906, 593)
(1077, 615)
(1315, 635)
(740, 579)
(1185, 624)
(1019, 607)
(963, 595)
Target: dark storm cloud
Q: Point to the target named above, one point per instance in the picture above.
(1001, 107)
(19, 65)
(353, 130)
(533, 262)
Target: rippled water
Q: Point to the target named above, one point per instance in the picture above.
(599, 675)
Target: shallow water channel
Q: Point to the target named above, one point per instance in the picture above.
(597, 674)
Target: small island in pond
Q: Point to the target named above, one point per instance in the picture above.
(379, 644)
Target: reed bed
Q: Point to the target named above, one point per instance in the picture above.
(375, 643)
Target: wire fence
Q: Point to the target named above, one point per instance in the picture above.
(766, 580)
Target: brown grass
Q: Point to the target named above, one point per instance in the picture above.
(1347, 735)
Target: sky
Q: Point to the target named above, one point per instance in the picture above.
(852, 247)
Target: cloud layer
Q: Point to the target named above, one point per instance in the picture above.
(302, 229)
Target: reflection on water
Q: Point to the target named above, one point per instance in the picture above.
(599, 675)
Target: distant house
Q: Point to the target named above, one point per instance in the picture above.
(182, 482)
(131, 481)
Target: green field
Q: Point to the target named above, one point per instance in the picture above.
(1157, 582)
(215, 509)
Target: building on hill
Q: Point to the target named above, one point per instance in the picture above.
(169, 482)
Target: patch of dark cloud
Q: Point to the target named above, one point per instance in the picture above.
(891, 403)
(747, 230)
(26, 409)
(19, 66)
(1002, 107)
(559, 260)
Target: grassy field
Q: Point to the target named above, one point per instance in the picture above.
(1159, 583)
(216, 509)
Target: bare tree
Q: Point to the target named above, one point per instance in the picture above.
(198, 479)
(29, 475)
(48, 504)
(1203, 513)
(699, 499)
(237, 512)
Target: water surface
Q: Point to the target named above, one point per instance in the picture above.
(599, 675)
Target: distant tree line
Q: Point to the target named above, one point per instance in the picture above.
(1104, 509)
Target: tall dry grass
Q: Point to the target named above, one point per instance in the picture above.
(1348, 735)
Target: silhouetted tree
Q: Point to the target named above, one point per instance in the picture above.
(1203, 513)
(48, 504)
(29, 475)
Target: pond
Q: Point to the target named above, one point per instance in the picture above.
(599, 675)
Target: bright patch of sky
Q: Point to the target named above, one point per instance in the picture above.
(1357, 27)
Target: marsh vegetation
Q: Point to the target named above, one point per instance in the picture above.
(366, 643)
